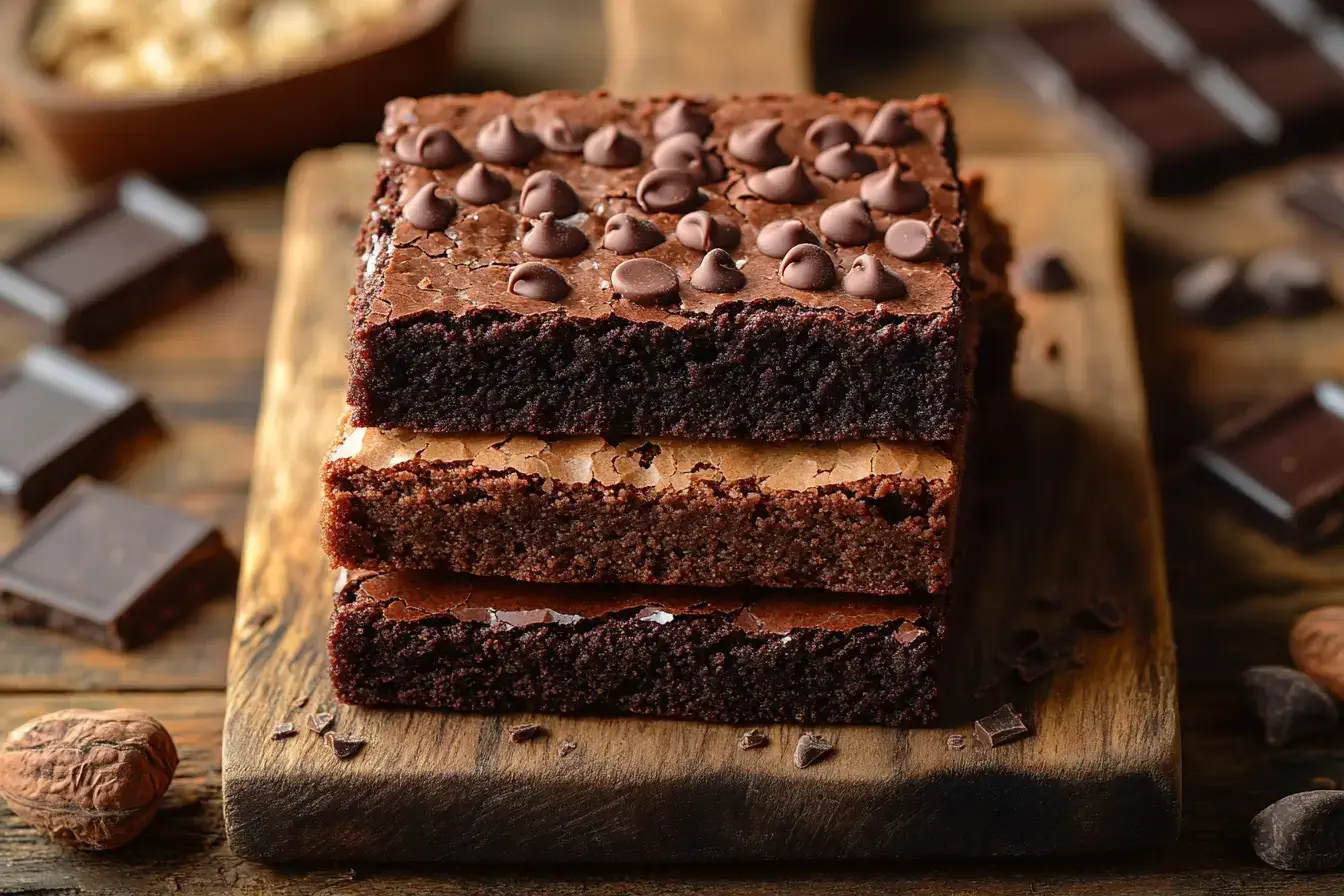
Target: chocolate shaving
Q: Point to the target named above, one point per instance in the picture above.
(320, 722)
(345, 746)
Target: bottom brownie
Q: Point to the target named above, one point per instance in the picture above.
(491, 645)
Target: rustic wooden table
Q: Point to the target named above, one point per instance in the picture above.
(1235, 593)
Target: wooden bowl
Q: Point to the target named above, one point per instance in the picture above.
(227, 125)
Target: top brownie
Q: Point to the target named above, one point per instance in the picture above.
(770, 267)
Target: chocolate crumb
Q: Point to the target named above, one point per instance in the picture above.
(566, 747)
(753, 739)
(345, 746)
(811, 748)
(525, 732)
(298, 703)
(956, 742)
(319, 722)
(283, 730)
(999, 727)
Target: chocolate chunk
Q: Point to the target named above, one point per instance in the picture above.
(433, 146)
(546, 191)
(893, 190)
(559, 135)
(830, 130)
(553, 238)
(298, 703)
(680, 118)
(1289, 282)
(1100, 613)
(809, 267)
(481, 186)
(891, 126)
(525, 732)
(778, 237)
(753, 739)
(811, 748)
(644, 281)
(611, 147)
(500, 140)
(62, 419)
(534, 280)
(869, 278)
(999, 727)
(566, 747)
(847, 223)
(102, 565)
(702, 231)
(1044, 269)
(668, 190)
(345, 746)
(1301, 832)
(283, 730)
(431, 208)
(910, 240)
(718, 274)
(320, 722)
(626, 234)
(956, 742)
(1318, 192)
(1289, 704)
(683, 152)
(1211, 291)
(787, 183)
(909, 633)
(843, 161)
(130, 249)
(757, 143)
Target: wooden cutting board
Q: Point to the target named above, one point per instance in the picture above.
(1071, 508)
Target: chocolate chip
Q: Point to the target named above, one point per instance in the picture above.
(702, 231)
(611, 147)
(546, 191)
(787, 183)
(909, 633)
(893, 190)
(869, 278)
(718, 274)
(806, 266)
(811, 748)
(683, 152)
(752, 740)
(1289, 704)
(345, 746)
(778, 237)
(1289, 282)
(626, 234)
(830, 130)
(320, 722)
(534, 280)
(680, 118)
(433, 146)
(757, 143)
(500, 140)
(667, 190)
(1100, 613)
(481, 186)
(956, 742)
(843, 161)
(559, 135)
(566, 747)
(644, 281)
(891, 126)
(283, 730)
(847, 222)
(910, 240)
(1044, 269)
(550, 237)
(999, 727)
(1211, 291)
(525, 732)
(431, 208)
(1301, 832)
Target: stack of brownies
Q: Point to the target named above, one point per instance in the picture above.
(662, 406)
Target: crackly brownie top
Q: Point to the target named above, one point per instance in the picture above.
(662, 208)
(415, 596)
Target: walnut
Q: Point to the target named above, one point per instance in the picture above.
(90, 778)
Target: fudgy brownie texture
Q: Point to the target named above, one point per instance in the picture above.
(452, 334)
(490, 645)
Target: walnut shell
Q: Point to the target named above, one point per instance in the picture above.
(1317, 646)
(91, 778)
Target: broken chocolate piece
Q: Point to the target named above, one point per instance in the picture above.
(999, 727)
(320, 722)
(811, 748)
(1288, 703)
(566, 747)
(753, 739)
(345, 746)
(1301, 832)
(525, 732)
(283, 730)
(298, 703)
(1045, 270)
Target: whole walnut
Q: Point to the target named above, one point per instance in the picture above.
(91, 778)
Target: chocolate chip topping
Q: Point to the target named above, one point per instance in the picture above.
(778, 237)
(611, 147)
(910, 240)
(787, 183)
(847, 223)
(684, 152)
(559, 135)
(757, 143)
(809, 267)
(627, 234)
(891, 126)
(481, 186)
(843, 161)
(534, 280)
(680, 118)
(546, 191)
(431, 208)
(869, 278)
(551, 238)
(500, 140)
(830, 130)
(667, 190)
(702, 231)
(433, 146)
(718, 273)
(893, 190)
(644, 281)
